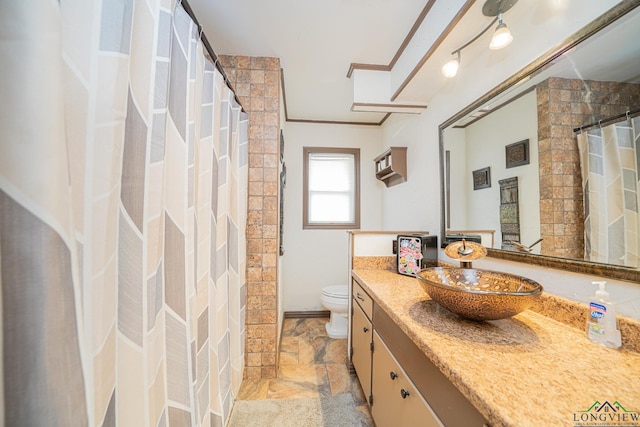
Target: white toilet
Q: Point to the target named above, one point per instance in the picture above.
(336, 299)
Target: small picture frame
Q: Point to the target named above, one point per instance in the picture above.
(482, 178)
(409, 255)
(517, 154)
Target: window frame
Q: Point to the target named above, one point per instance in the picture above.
(306, 225)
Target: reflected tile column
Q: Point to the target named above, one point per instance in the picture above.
(564, 104)
(256, 82)
(561, 207)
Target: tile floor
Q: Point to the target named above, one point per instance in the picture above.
(311, 365)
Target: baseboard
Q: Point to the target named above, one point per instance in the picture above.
(306, 314)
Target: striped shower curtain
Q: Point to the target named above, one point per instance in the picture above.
(609, 159)
(123, 192)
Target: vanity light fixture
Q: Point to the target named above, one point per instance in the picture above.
(501, 37)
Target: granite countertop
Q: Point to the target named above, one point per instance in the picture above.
(529, 370)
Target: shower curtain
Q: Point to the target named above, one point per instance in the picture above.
(123, 192)
(609, 160)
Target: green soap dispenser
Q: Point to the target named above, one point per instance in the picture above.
(602, 324)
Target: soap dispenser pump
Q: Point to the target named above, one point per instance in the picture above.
(602, 325)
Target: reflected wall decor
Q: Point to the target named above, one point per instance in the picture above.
(482, 178)
(517, 154)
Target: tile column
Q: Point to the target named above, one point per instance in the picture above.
(256, 81)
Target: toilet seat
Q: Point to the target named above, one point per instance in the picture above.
(336, 291)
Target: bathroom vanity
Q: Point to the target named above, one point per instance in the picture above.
(422, 365)
(409, 390)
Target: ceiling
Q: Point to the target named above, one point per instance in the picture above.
(318, 41)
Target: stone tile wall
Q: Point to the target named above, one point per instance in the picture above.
(256, 81)
(564, 104)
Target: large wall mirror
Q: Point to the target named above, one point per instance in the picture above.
(544, 168)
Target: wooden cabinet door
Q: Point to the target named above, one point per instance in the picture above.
(361, 334)
(396, 401)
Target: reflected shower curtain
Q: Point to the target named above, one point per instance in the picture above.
(609, 159)
(123, 191)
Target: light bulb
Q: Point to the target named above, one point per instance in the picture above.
(450, 69)
(502, 37)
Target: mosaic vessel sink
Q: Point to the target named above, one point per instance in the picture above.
(477, 294)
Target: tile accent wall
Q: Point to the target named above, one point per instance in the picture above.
(256, 81)
(562, 105)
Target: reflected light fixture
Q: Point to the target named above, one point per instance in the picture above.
(450, 69)
(502, 36)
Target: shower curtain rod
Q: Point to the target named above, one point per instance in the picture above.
(207, 45)
(629, 114)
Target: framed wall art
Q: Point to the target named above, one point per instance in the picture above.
(517, 154)
(482, 178)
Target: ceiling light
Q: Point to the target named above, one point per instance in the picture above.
(450, 69)
(502, 36)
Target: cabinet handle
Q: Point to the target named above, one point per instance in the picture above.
(359, 297)
(393, 375)
(365, 329)
(404, 393)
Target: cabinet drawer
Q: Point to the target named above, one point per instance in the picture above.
(363, 299)
(396, 400)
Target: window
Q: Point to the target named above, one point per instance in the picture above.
(331, 186)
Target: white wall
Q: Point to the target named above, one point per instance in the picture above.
(416, 203)
(314, 259)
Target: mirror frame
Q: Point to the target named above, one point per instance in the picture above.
(574, 265)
